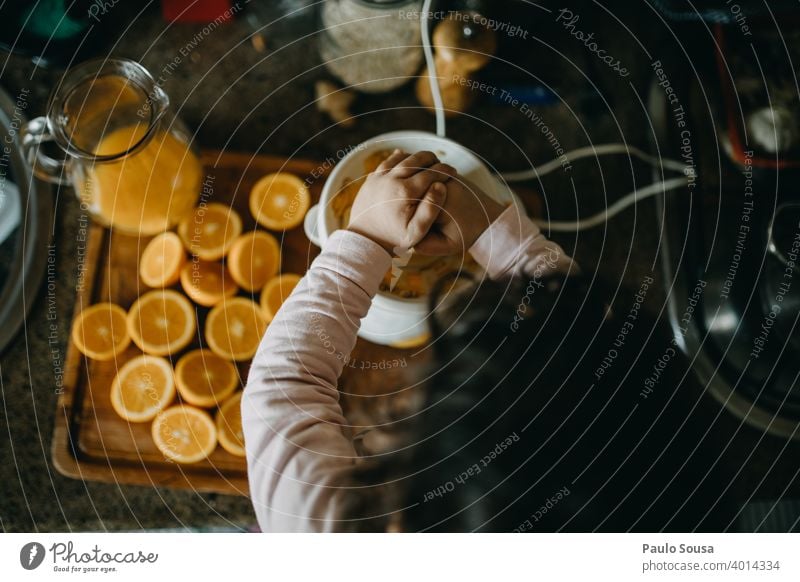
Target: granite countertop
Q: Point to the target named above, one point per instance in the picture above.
(239, 99)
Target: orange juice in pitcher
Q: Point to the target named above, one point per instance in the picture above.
(131, 165)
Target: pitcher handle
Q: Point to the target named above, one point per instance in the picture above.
(33, 134)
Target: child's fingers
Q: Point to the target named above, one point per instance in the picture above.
(426, 213)
(395, 158)
(414, 163)
(422, 181)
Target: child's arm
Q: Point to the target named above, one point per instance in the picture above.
(501, 240)
(298, 458)
(513, 246)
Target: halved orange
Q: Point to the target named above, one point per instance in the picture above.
(162, 259)
(100, 332)
(229, 426)
(279, 201)
(142, 388)
(184, 434)
(162, 322)
(210, 230)
(234, 329)
(253, 259)
(207, 282)
(204, 379)
(276, 292)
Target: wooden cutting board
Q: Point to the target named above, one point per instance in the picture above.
(90, 442)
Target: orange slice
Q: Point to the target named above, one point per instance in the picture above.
(162, 259)
(229, 426)
(207, 282)
(142, 388)
(254, 258)
(210, 230)
(100, 331)
(184, 434)
(161, 322)
(204, 379)
(234, 329)
(279, 201)
(276, 292)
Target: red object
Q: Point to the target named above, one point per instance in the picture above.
(734, 127)
(196, 10)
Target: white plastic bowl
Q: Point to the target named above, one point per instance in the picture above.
(392, 319)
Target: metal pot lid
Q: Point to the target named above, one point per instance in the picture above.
(783, 233)
(25, 215)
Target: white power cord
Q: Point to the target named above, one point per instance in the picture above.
(593, 151)
(619, 205)
(541, 170)
(614, 209)
(433, 77)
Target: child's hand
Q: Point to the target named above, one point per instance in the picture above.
(467, 212)
(400, 200)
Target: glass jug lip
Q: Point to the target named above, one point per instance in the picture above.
(156, 102)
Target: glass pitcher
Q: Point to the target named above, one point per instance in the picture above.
(132, 165)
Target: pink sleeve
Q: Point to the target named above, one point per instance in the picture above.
(513, 246)
(298, 457)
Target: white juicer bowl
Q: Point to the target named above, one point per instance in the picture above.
(392, 319)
